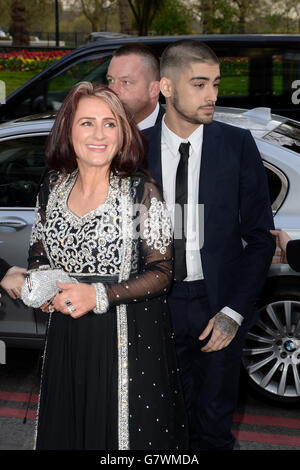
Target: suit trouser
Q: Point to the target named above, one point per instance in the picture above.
(210, 380)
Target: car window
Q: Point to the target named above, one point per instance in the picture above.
(92, 70)
(48, 95)
(235, 76)
(278, 186)
(21, 170)
(286, 135)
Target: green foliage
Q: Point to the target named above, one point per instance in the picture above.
(40, 15)
(172, 19)
(81, 23)
(224, 19)
(246, 16)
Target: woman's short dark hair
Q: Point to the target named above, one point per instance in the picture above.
(60, 154)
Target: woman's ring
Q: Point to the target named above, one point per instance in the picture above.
(71, 308)
(68, 302)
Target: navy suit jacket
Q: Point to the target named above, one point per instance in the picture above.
(234, 190)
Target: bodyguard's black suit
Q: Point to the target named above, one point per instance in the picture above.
(161, 112)
(293, 254)
(4, 267)
(233, 189)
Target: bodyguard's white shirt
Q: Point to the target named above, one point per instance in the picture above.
(150, 120)
(170, 157)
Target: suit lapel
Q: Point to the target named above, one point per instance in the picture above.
(211, 159)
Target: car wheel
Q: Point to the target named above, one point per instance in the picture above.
(271, 356)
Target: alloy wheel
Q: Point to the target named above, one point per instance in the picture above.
(271, 355)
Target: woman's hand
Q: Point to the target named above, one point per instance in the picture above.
(282, 239)
(75, 299)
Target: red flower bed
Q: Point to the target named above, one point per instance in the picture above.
(29, 60)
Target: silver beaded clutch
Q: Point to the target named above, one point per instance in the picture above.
(40, 285)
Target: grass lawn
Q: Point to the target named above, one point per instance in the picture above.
(230, 85)
(13, 80)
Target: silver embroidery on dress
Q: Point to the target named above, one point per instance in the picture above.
(90, 244)
(122, 327)
(158, 231)
(37, 228)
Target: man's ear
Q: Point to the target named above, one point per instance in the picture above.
(154, 89)
(166, 87)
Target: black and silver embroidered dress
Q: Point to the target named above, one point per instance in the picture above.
(109, 380)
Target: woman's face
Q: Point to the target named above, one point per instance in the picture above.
(95, 133)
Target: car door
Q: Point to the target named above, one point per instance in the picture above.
(21, 171)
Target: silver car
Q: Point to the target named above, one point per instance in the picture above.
(272, 350)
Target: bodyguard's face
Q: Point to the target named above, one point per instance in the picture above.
(193, 95)
(128, 77)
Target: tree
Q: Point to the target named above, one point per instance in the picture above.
(244, 8)
(40, 15)
(144, 12)
(18, 24)
(125, 20)
(97, 11)
(229, 16)
(173, 18)
(5, 12)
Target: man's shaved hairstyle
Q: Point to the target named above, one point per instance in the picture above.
(147, 55)
(180, 54)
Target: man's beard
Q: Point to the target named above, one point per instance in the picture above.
(191, 118)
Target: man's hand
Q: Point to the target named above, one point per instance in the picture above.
(224, 330)
(282, 239)
(13, 281)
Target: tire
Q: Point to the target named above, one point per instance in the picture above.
(271, 355)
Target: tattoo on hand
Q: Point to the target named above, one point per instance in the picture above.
(225, 325)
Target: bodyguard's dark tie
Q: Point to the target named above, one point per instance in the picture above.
(180, 213)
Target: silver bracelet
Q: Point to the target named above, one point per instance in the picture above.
(102, 303)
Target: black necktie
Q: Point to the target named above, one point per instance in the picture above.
(180, 213)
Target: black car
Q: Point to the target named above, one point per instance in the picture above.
(257, 71)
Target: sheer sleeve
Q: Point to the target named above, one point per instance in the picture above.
(37, 254)
(155, 247)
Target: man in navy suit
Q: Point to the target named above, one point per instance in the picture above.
(208, 164)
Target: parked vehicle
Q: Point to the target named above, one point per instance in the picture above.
(272, 351)
(257, 70)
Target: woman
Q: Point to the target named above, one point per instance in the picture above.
(289, 250)
(110, 379)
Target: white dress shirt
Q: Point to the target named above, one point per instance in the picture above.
(150, 120)
(170, 157)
